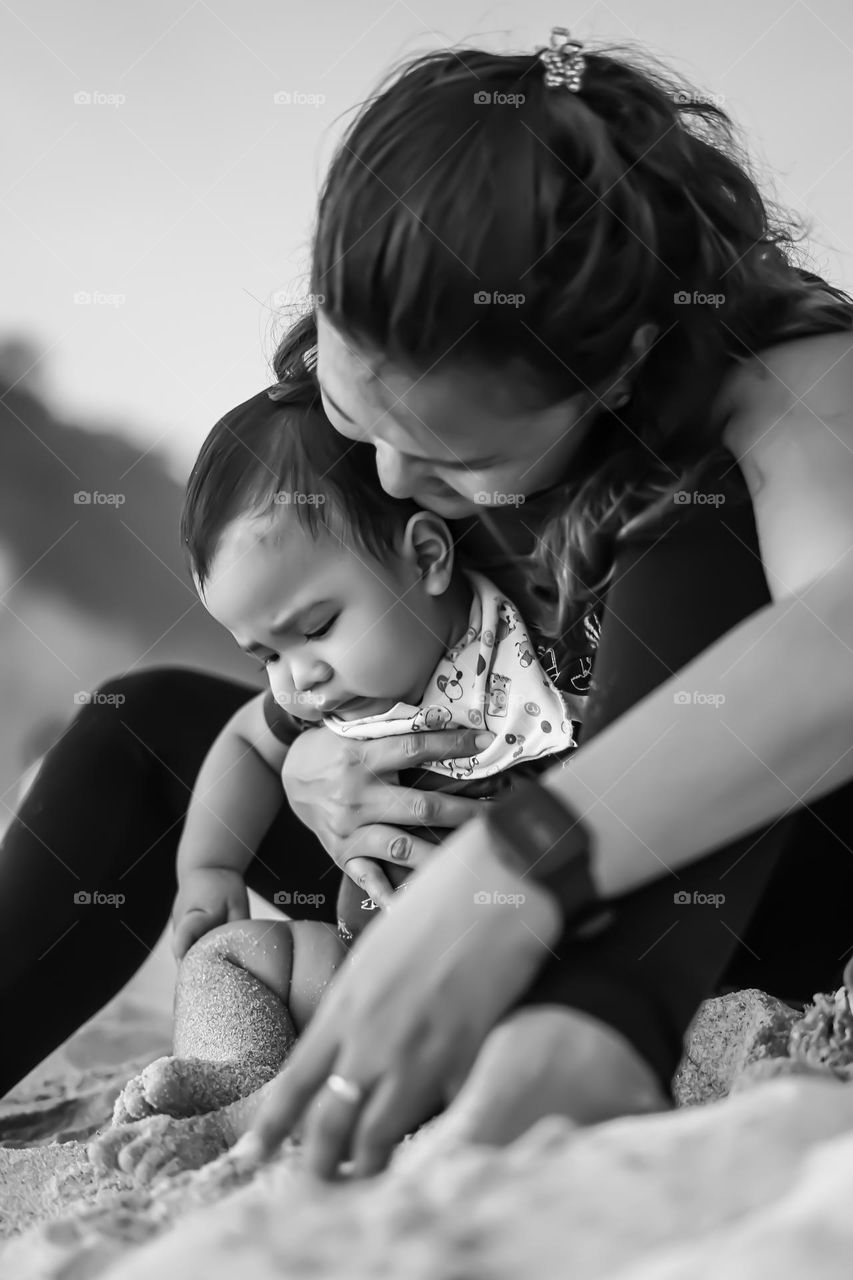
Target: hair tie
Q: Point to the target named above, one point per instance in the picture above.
(564, 62)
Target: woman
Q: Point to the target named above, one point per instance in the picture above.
(571, 277)
(599, 395)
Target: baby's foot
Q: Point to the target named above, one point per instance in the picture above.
(186, 1087)
(161, 1145)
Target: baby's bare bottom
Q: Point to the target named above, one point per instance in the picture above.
(244, 993)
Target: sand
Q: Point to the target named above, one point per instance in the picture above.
(752, 1184)
(756, 1184)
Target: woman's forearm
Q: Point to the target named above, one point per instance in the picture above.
(767, 724)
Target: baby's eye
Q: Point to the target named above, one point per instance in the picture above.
(324, 630)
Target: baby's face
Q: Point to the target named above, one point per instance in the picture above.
(331, 624)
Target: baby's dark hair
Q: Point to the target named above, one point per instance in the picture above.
(278, 443)
(628, 202)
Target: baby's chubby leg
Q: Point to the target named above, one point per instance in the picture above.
(244, 992)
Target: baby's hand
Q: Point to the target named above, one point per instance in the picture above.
(207, 896)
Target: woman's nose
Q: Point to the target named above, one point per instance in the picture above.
(396, 475)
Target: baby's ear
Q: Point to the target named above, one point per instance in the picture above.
(428, 544)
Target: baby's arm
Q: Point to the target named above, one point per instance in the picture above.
(236, 796)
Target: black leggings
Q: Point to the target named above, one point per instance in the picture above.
(106, 810)
(103, 818)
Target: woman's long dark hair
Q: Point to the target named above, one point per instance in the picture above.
(626, 203)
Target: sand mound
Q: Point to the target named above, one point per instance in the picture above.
(746, 1185)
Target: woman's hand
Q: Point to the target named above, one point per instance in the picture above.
(345, 791)
(405, 1017)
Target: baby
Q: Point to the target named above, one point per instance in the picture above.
(353, 602)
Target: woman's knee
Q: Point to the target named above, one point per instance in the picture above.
(147, 702)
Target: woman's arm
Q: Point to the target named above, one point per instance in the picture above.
(670, 781)
(684, 778)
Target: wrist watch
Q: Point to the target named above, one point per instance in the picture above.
(536, 834)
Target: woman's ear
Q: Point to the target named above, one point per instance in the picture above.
(428, 546)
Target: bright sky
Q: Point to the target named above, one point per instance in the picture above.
(180, 198)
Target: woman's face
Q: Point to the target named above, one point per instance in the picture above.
(452, 440)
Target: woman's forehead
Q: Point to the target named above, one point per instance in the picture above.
(446, 410)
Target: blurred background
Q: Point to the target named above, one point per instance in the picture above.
(160, 165)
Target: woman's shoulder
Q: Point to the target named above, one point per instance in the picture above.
(789, 426)
(793, 353)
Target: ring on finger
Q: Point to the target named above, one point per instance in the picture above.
(346, 1090)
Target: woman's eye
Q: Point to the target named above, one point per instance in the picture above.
(322, 631)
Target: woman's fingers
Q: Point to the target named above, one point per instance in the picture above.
(384, 844)
(369, 876)
(398, 1105)
(410, 807)
(304, 1073)
(328, 1131)
(407, 750)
